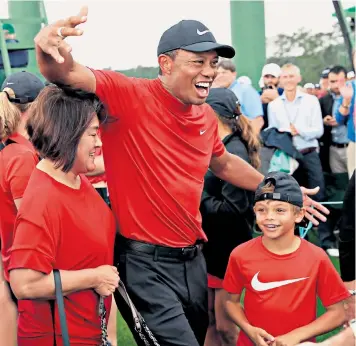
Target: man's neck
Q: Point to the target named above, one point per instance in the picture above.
(291, 94)
(286, 244)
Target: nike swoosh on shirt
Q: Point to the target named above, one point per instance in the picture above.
(257, 285)
(202, 132)
(202, 32)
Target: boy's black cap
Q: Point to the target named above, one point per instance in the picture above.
(224, 102)
(192, 36)
(286, 189)
(25, 85)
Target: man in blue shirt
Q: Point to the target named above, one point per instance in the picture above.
(299, 113)
(247, 95)
(345, 111)
(333, 147)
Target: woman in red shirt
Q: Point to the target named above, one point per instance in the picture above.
(63, 224)
(18, 158)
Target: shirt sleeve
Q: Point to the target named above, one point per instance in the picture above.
(252, 103)
(233, 281)
(19, 171)
(330, 287)
(315, 128)
(34, 247)
(116, 91)
(272, 116)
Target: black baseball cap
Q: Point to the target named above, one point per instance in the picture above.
(224, 102)
(286, 189)
(25, 85)
(192, 36)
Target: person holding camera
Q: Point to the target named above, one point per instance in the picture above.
(270, 90)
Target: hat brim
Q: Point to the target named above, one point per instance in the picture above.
(224, 51)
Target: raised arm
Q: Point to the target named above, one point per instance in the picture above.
(54, 57)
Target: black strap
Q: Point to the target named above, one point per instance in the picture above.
(61, 311)
(6, 143)
(278, 197)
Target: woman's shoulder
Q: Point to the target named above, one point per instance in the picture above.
(235, 145)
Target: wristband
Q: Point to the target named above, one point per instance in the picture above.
(344, 106)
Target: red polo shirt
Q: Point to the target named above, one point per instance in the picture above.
(69, 229)
(281, 290)
(17, 161)
(157, 151)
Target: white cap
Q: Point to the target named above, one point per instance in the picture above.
(350, 74)
(272, 69)
(309, 86)
(244, 80)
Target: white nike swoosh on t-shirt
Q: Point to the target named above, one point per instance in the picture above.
(264, 286)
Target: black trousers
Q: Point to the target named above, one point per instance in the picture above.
(170, 292)
(327, 237)
(347, 234)
(310, 174)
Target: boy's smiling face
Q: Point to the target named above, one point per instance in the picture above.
(277, 218)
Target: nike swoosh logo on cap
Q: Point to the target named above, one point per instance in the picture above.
(257, 285)
(202, 32)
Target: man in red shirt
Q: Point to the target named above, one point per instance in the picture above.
(157, 149)
(282, 274)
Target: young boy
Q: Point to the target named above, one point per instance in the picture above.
(282, 274)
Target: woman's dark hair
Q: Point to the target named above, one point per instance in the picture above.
(248, 135)
(57, 120)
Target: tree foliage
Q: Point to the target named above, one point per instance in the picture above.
(312, 53)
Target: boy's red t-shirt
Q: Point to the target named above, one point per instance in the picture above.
(17, 161)
(58, 227)
(157, 151)
(271, 301)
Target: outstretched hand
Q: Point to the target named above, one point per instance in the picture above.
(51, 38)
(313, 208)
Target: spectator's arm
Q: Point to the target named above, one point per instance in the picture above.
(257, 124)
(341, 112)
(252, 103)
(315, 128)
(272, 116)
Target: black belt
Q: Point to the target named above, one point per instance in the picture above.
(307, 151)
(183, 253)
(339, 145)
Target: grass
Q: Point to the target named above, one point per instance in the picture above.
(125, 338)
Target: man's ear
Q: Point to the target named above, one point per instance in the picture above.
(165, 63)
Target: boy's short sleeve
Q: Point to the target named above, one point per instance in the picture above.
(233, 281)
(330, 288)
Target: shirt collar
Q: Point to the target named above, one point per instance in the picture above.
(19, 139)
(299, 94)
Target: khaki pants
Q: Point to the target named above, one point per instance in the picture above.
(338, 159)
(351, 161)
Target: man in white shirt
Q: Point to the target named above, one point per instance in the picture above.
(299, 113)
